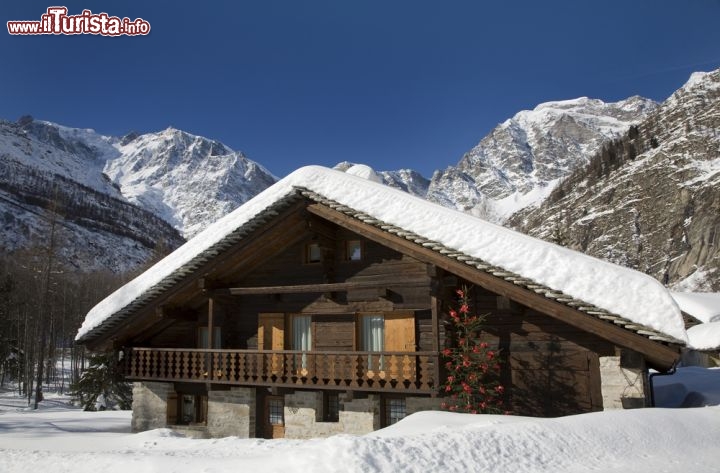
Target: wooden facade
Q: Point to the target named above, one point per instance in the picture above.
(286, 308)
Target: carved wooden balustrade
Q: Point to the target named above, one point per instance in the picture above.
(411, 372)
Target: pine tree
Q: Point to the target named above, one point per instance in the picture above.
(103, 378)
(473, 384)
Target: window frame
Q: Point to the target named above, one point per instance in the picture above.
(199, 408)
(308, 253)
(347, 255)
(387, 409)
(331, 406)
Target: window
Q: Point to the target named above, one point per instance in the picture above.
(276, 411)
(203, 341)
(313, 254)
(193, 409)
(353, 250)
(373, 332)
(372, 338)
(332, 407)
(301, 339)
(394, 410)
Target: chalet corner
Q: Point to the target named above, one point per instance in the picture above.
(319, 307)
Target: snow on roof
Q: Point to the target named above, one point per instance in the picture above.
(705, 336)
(364, 171)
(704, 306)
(619, 290)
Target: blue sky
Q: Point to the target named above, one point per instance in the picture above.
(393, 84)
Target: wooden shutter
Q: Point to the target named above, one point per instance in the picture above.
(400, 331)
(400, 336)
(271, 336)
(271, 331)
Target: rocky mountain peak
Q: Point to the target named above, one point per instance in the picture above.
(650, 199)
(522, 159)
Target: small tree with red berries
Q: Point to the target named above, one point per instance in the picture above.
(473, 381)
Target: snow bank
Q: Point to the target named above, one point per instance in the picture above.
(620, 290)
(640, 441)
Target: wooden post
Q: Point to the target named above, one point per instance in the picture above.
(211, 304)
(209, 359)
(434, 309)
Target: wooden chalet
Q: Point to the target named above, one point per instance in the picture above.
(308, 317)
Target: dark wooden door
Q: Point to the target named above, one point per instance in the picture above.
(274, 417)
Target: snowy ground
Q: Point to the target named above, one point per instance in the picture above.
(58, 438)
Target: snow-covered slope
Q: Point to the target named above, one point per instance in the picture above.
(79, 155)
(116, 199)
(48, 177)
(522, 159)
(651, 201)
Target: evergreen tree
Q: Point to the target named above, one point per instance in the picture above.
(472, 384)
(102, 385)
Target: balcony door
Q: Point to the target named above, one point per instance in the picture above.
(302, 341)
(388, 332)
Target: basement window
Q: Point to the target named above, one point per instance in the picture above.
(332, 407)
(192, 409)
(395, 410)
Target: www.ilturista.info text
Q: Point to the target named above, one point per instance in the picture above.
(57, 21)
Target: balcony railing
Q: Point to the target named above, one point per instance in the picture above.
(412, 372)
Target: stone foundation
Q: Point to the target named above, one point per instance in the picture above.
(623, 381)
(304, 411)
(149, 407)
(418, 404)
(360, 416)
(304, 414)
(231, 413)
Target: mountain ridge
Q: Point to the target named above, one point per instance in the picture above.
(651, 199)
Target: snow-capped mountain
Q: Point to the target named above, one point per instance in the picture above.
(49, 184)
(522, 159)
(651, 200)
(187, 180)
(117, 198)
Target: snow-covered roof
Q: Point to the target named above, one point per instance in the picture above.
(621, 293)
(704, 306)
(705, 336)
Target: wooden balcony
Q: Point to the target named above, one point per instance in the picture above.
(407, 372)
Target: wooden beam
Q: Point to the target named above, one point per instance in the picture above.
(319, 288)
(175, 313)
(659, 356)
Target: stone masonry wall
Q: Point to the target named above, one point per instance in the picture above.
(361, 416)
(149, 407)
(303, 411)
(231, 413)
(623, 380)
(417, 404)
